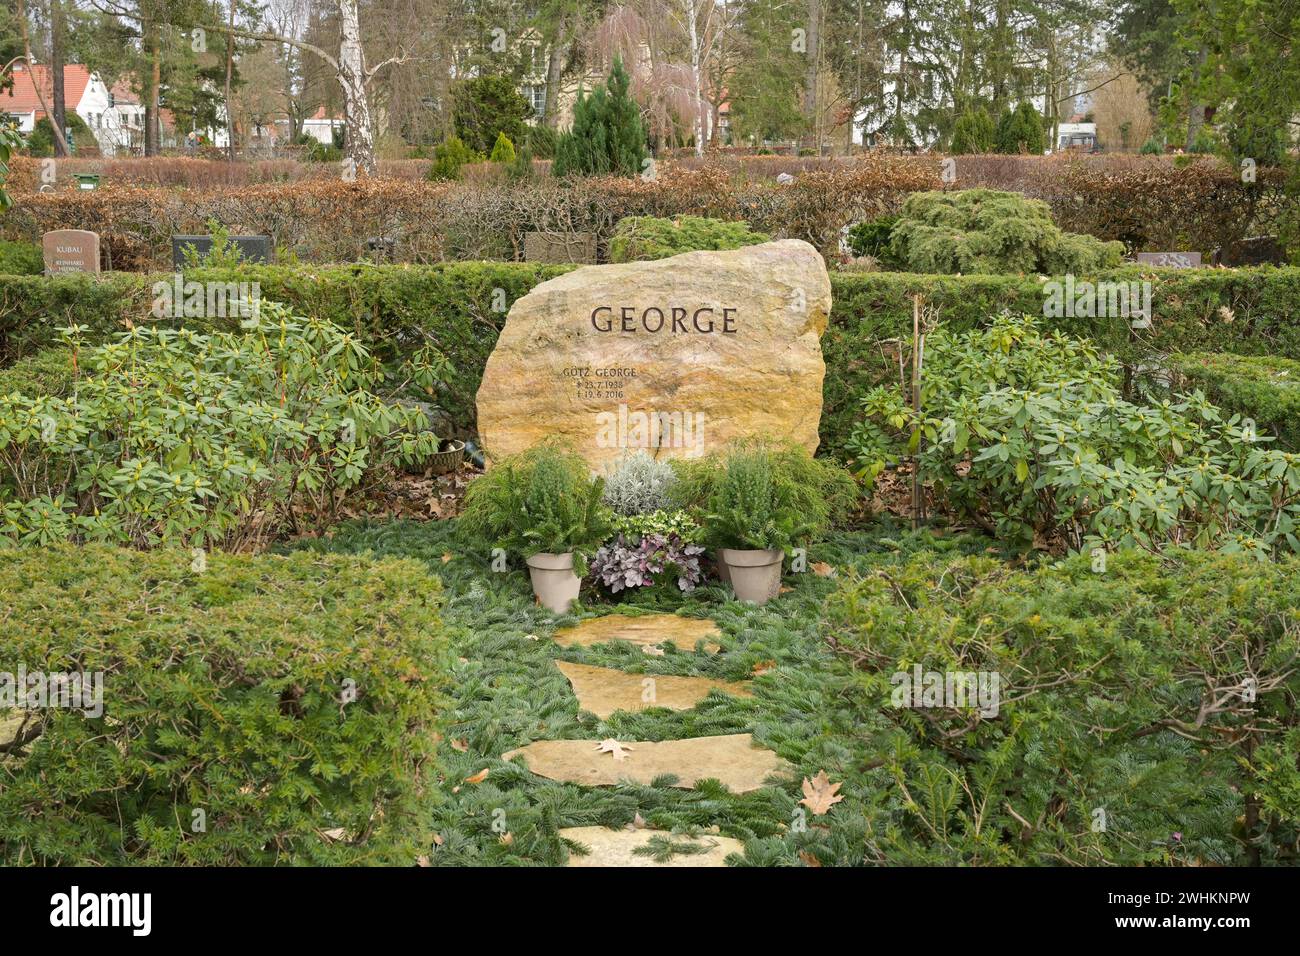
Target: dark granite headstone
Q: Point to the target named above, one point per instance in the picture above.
(252, 248)
(1176, 260)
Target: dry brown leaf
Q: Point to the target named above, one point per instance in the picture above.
(478, 777)
(762, 667)
(819, 793)
(822, 569)
(611, 746)
(460, 746)
(446, 557)
(808, 859)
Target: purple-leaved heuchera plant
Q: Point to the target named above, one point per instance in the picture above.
(620, 565)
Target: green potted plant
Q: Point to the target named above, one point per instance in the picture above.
(757, 502)
(546, 506)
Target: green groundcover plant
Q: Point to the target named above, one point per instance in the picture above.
(1027, 434)
(985, 230)
(175, 437)
(544, 500)
(649, 237)
(250, 711)
(1117, 667)
(763, 495)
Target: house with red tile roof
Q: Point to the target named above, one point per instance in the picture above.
(115, 116)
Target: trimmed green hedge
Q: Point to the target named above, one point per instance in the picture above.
(48, 372)
(460, 307)
(225, 690)
(1261, 387)
(21, 258)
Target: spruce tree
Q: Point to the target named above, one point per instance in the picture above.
(607, 136)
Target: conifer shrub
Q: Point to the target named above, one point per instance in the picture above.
(252, 710)
(763, 495)
(1262, 388)
(503, 151)
(607, 136)
(650, 237)
(987, 231)
(973, 132)
(544, 500)
(47, 373)
(1136, 712)
(21, 258)
(448, 158)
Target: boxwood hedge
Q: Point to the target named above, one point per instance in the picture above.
(461, 307)
(255, 710)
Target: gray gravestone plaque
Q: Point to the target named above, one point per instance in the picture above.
(1175, 260)
(251, 248)
(560, 247)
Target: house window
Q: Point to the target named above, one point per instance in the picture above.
(536, 96)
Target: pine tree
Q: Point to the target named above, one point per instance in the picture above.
(607, 136)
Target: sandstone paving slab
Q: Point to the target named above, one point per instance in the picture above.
(616, 848)
(603, 690)
(652, 630)
(732, 759)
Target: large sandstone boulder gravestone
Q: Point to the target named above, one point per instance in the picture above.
(677, 356)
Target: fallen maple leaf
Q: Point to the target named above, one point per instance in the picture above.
(819, 793)
(478, 777)
(823, 570)
(611, 746)
(762, 667)
(460, 746)
(808, 859)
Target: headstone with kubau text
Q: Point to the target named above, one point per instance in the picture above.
(675, 357)
(70, 250)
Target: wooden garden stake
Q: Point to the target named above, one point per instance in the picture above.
(918, 344)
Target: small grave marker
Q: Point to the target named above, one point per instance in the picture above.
(251, 248)
(559, 248)
(70, 250)
(1174, 260)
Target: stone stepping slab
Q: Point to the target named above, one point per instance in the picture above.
(603, 690)
(615, 848)
(731, 758)
(649, 631)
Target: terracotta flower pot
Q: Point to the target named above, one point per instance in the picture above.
(755, 576)
(554, 582)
